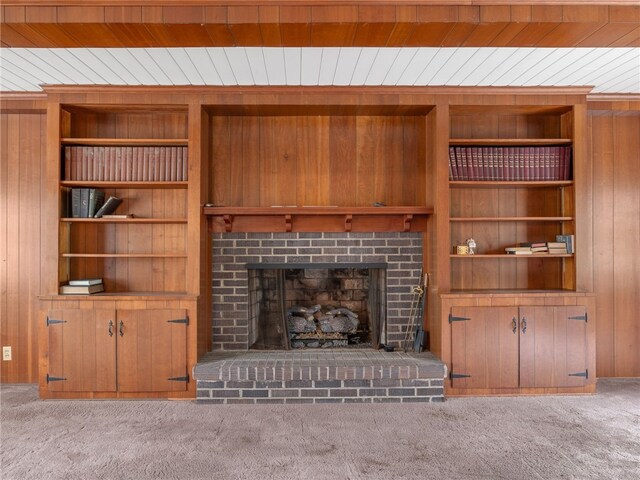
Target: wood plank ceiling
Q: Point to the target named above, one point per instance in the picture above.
(321, 42)
(320, 23)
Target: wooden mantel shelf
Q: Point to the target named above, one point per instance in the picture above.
(318, 219)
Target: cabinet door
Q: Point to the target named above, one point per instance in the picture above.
(553, 347)
(152, 350)
(82, 350)
(484, 347)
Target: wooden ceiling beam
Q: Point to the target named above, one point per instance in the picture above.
(320, 23)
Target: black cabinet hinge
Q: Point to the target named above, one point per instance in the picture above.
(453, 376)
(584, 374)
(54, 379)
(579, 317)
(457, 319)
(184, 320)
(52, 321)
(179, 379)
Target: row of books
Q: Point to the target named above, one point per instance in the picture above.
(90, 203)
(529, 163)
(562, 245)
(126, 164)
(83, 286)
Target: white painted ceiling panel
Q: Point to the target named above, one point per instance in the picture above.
(276, 69)
(470, 67)
(187, 67)
(416, 66)
(202, 61)
(256, 61)
(240, 66)
(611, 70)
(157, 75)
(292, 65)
(347, 61)
(221, 62)
(328, 64)
(399, 65)
(377, 62)
(310, 68)
(366, 59)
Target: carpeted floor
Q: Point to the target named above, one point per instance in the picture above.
(554, 437)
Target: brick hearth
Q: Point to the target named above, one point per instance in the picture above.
(319, 376)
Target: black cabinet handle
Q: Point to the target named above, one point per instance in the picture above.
(111, 328)
(514, 325)
(524, 325)
(121, 328)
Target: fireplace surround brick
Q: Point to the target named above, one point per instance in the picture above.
(401, 252)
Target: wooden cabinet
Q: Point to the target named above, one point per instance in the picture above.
(484, 347)
(495, 348)
(124, 350)
(130, 340)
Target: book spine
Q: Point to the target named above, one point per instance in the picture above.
(76, 201)
(84, 202)
(174, 164)
(179, 166)
(185, 163)
(547, 163)
(451, 156)
(67, 163)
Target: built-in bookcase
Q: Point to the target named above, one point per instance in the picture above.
(533, 205)
(141, 156)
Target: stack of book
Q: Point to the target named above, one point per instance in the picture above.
(83, 286)
(557, 248)
(528, 163)
(533, 248)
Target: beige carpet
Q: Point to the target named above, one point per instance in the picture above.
(583, 437)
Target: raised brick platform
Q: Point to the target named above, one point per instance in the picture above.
(319, 376)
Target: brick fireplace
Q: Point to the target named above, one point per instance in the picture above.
(244, 262)
(237, 255)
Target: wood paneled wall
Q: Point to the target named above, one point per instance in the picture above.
(22, 150)
(615, 149)
(317, 160)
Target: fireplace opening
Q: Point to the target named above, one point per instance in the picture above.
(317, 306)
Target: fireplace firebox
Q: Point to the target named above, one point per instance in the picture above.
(317, 306)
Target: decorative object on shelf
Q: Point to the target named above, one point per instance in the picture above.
(471, 243)
(462, 250)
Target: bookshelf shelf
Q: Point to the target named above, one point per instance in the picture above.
(511, 219)
(167, 221)
(123, 184)
(125, 141)
(124, 255)
(509, 184)
(509, 141)
(485, 256)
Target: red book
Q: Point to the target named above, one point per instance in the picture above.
(185, 163)
(451, 160)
